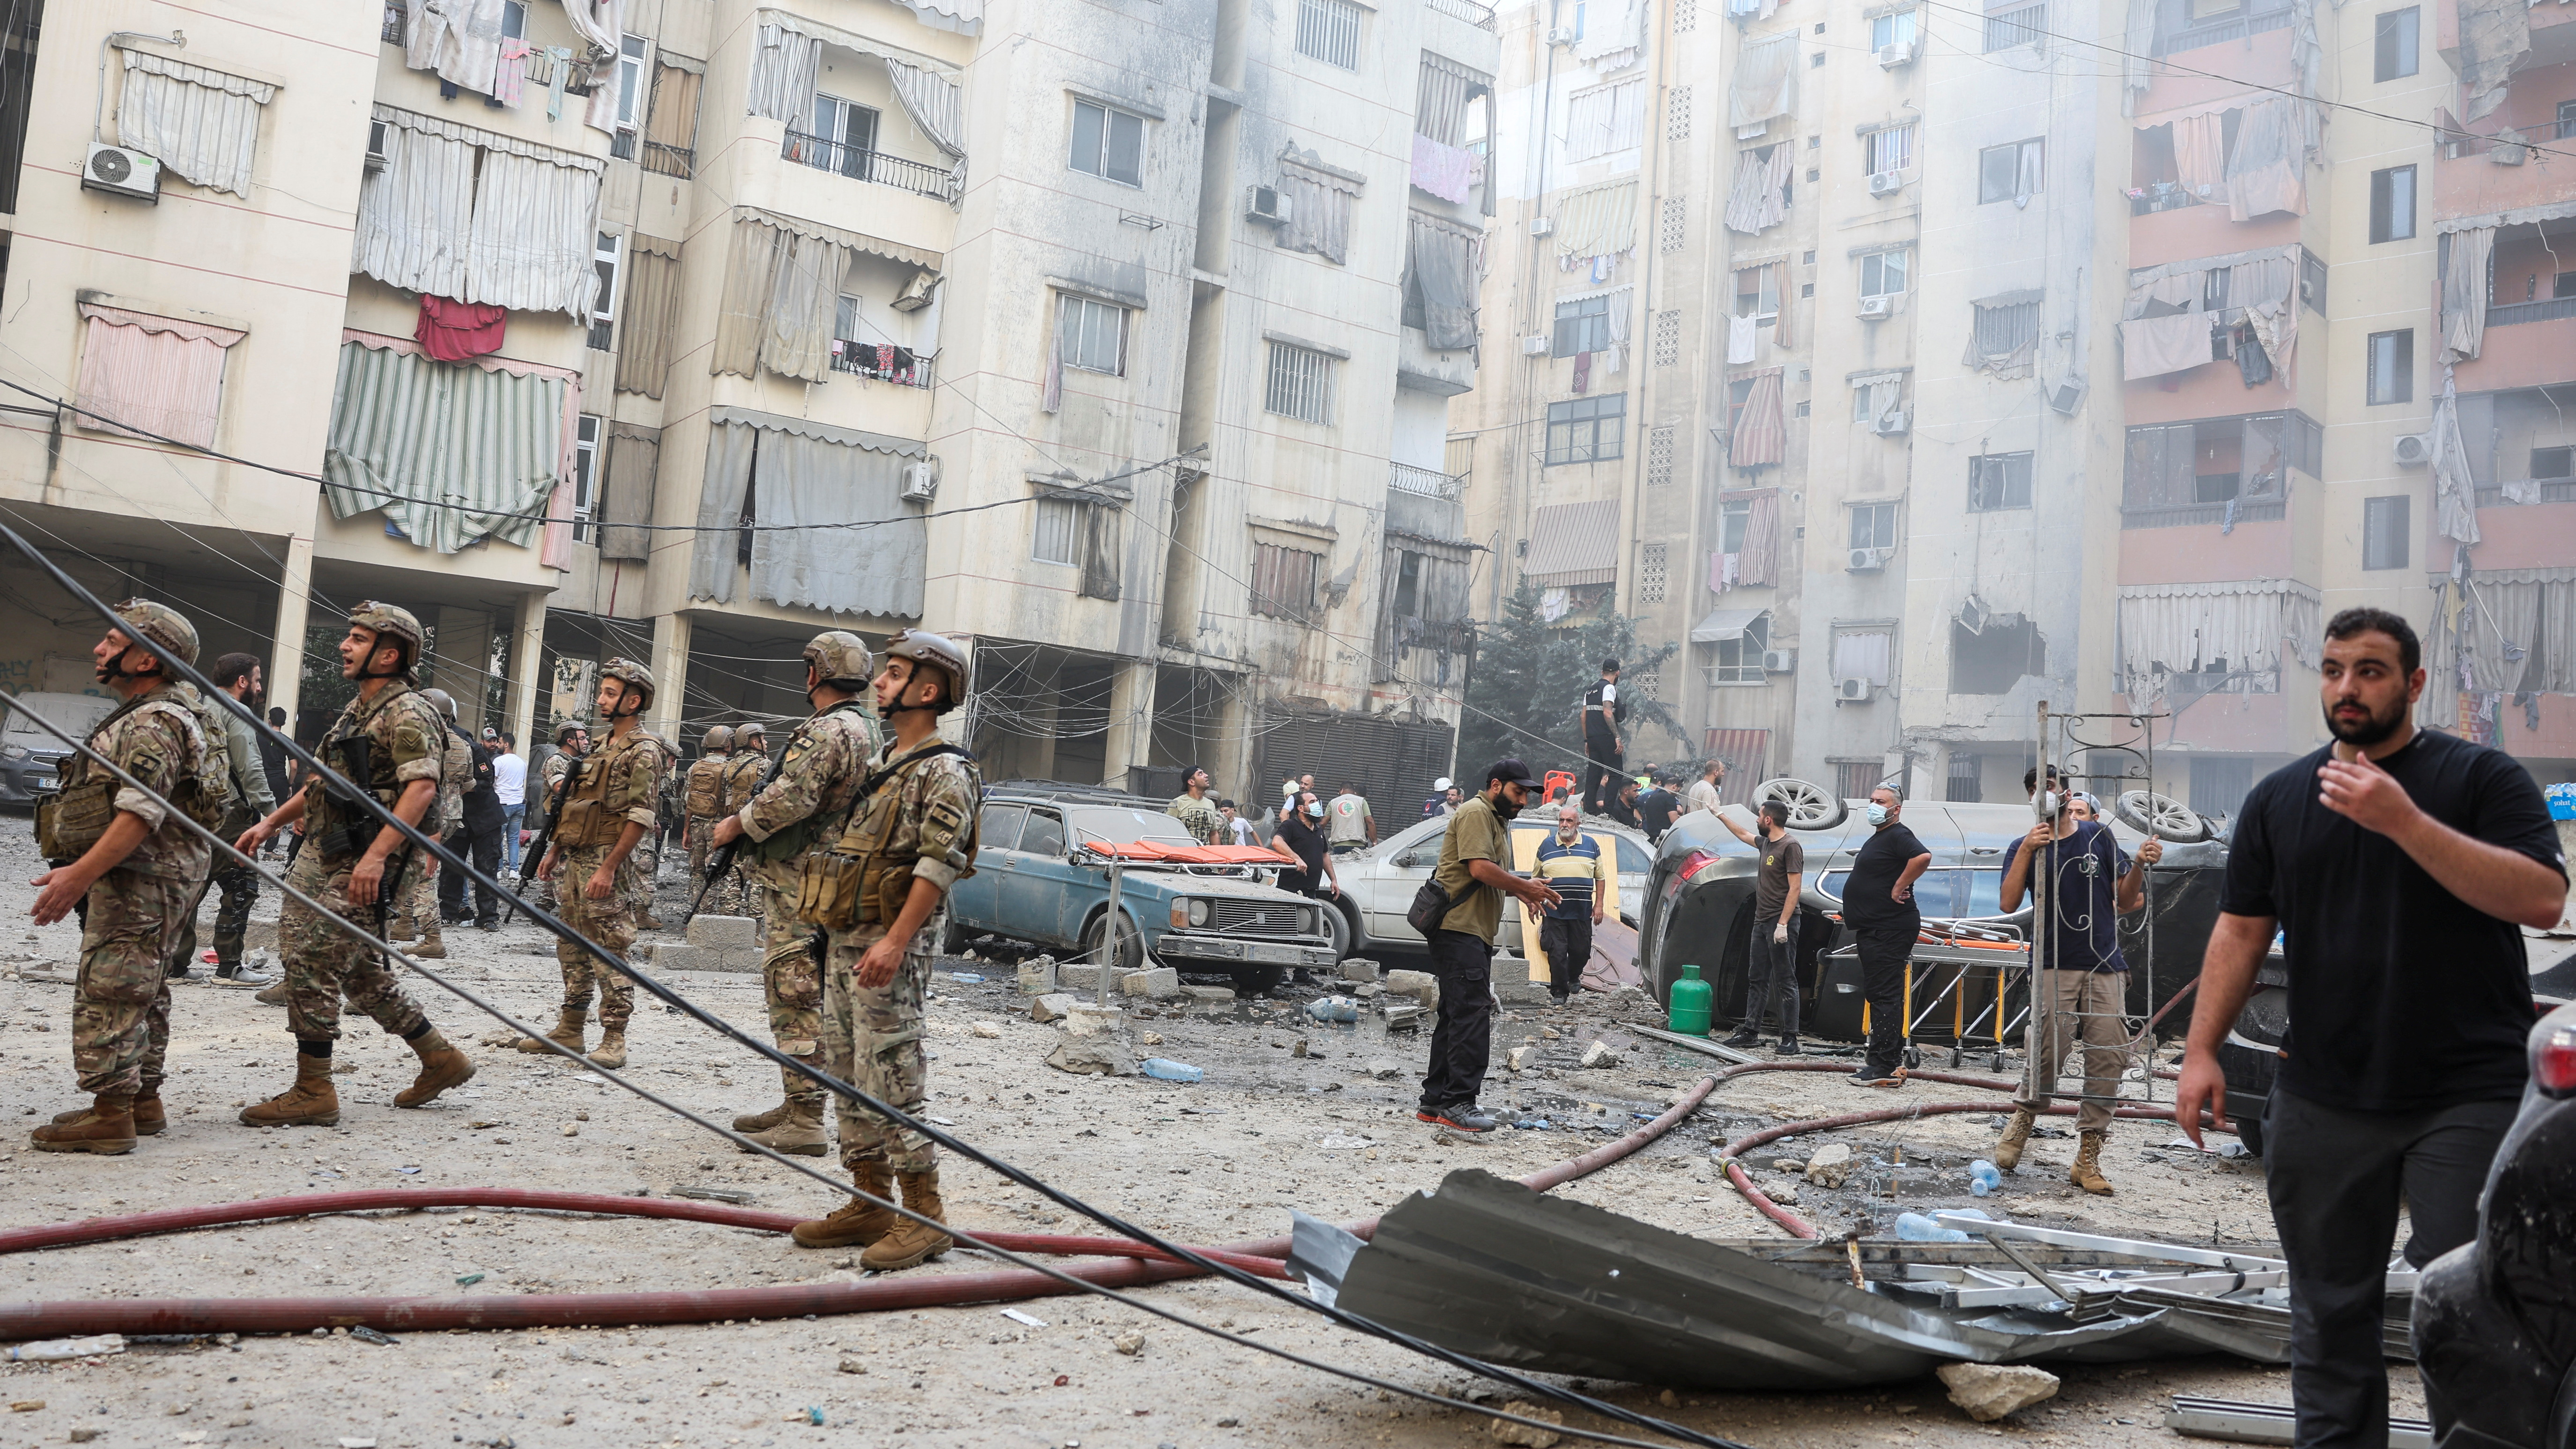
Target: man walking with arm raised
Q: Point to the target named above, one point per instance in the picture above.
(1475, 869)
(1774, 947)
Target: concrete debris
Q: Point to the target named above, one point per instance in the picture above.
(1151, 1038)
(1831, 1164)
(1208, 993)
(1598, 1052)
(1051, 1007)
(1988, 1391)
(1081, 1020)
(1384, 1069)
(1300, 1048)
(1131, 1343)
(1422, 986)
(1404, 1016)
(1037, 978)
(1359, 968)
(1504, 1431)
(715, 943)
(1101, 1056)
(986, 1029)
(1783, 1193)
(1521, 1058)
(851, 1365)
(1159, 984)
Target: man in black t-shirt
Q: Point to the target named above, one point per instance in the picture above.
(2396, 864)
(1878, 904)
(1604, 755)
(1772, 958)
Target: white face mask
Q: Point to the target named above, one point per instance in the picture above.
(1877, 813)
(1315, 809)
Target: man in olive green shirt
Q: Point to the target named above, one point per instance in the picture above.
(1475, 868)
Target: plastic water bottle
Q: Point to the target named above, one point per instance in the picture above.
(1164, 1069)
(1916, 1228)
(1983, 1178)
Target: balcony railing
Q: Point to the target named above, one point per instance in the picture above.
(666, 160)
(2135, 516)
(390, 30)
(2548, 309)
(904, 367)
(2218, 31)
(2548, 490)
(1448, 637)
(2015, 27)
(2162, 196)
(1479, 16)
(861, 164)
(1427, 482)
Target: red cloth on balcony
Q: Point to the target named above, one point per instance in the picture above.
(454, 331)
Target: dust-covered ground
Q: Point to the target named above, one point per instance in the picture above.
(1216, 1162)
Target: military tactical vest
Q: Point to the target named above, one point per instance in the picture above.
(587, 820)
(706, 787)
(71, 820)
(859, 881)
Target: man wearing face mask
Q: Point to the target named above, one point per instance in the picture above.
(1300, 837)
(1572, 862)
(1475, 869)
(1878, 904)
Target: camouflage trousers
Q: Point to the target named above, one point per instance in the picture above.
(121, 1001)
(872, 1040)
(610, 921)
(240, 887)
(725, 897)
(635, 878)
(791, 981)
(419, 895)
(323, 963)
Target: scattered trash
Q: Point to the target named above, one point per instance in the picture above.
(364, 1334)
(1016, 1316)
(1339, 1143)
(814, 1415)
(1504, 1431)
(1164, 1069)
(358, 1444)
(408, 1171)
(968, 978)
(59, 1350)
(1333, 1008)
(1916, 1228)
(468, 1280)
(1131, 1343)
(26, 1406)
(586, 1077)
(1984, 1177)
(715, 1194)
(1988, 1391)
(1531, 1124)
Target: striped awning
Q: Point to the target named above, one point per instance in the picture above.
(1573, 544)
(1723, 625)
(453, 453)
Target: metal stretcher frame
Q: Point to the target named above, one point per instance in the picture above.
(2128, 737)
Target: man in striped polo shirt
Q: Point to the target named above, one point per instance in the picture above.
(1573, 864)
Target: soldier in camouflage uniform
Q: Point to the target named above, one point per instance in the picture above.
(355, 867)
(249, 800)
(571, 743)
(744, 775)
(607, 813)
(702, 795)
(799, 812)
(420, 916)
(911, 836)
(120, 857)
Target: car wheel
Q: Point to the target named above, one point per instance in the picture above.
(2161, 816)
(1131, 946)
(1254, 982)
(1337, 926)
(2249, 1130)
(1811, 806)
(953, 937)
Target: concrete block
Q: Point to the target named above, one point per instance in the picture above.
(1083, 1020)
(1422, 986)
(676, 956)
(1359, 968)
(724, 932)
(1037, 978)
(1597, 1052)
(1051, 1007)
(1988, 1391)
(1208, 993)
(1070, 976)
(1103, 1056)
(1831, 1164)
(1518, 990)
(1159, 984)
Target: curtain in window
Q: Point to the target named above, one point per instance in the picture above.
(726, 489)
(2137, 66)
(1758, 199)
(784, 63)
(1604, 120)
(2250, 625)
(780, 294)
(1784, 325)
(1886, 396)
(2455, 513)
(2502, 624)
(2200, 154)
(934, 102)
(1759, 564)
(1765, 81)
(200, 123)
(1444, 273)
(1440, 95)
(416, 216)
(626, 492)
(536, 231)
(452, 453)
(1863, 654)
(459, 39)
(156, 375)
(652, 286)
(1761, 434)
(1099, 552)
(1614, 35)
(671, 127)
(1319, 212)
(2005, 336)
(600, 23)
(2268, 170)
(2155, 346)
(2465, 291)
(1598, 221)
(867, 570)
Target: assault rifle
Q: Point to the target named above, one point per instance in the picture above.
(535, 854)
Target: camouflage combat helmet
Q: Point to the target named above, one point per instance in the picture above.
(441, 701)
(565, 731)
(389, 621)
(841, 659)
(720, 737)
(934, 651)
(634, 676)
(163, 625)
(755, 730)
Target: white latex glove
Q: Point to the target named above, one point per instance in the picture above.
(1780, 934)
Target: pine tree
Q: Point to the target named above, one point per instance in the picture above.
(1526, 696)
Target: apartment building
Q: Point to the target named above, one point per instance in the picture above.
(1115, 337)
(2071, 352)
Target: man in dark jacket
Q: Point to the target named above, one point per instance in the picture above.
(478, 838)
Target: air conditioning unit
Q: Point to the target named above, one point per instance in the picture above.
(1561, 35)
(1973, 615)
(1853, 691)
(1779, 661)
(376, 145)
(2067, 397)
(1892, 56)
(1874, 309)
(2415, 449)
(1885, 183)
(1890, 426)
(1868, 560)
(1265, 204)
(1542, 226)
(120, 172)
(1534, 346)
(920, 481)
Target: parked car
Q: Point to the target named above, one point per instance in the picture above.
(31, 759)
(2495, 1319)
(1378, 883)
(1040, 878)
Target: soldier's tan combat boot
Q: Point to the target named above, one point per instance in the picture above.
(568, 1024)
(149, 1118)
(750, 1122)
(858, 1223)
(441, 1067)
(106, 1127)
(800, 1132)
(910, 1244)
(274, 995)
(311, 1102)
(2016, 1133)
(611, 1051)
(430, 947)
(2087, 1172)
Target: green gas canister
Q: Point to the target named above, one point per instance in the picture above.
(1689, 1007)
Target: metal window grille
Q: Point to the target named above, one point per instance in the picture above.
(1659, 461)
(1654, 568)
(1671, 228)
(1329, 30)
(1091, 335)
(1963, 778)
(1889, 150)
(1677, 114)
(1059, 532)
(2016, 27)
(1668, 338)
(1301, 384)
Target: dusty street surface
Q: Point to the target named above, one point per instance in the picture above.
(1210, 1163)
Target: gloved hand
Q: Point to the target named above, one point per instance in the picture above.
(1780, 934)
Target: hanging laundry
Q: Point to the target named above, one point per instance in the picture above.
(1582, 372)
(454, 331)
(1743, 340)
(558, 71)
(510, 80)
(2252, 363)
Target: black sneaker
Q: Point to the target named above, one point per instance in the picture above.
(1464, 1117)
(1743, 1039)
(1865, 1078)
(1788, 1048)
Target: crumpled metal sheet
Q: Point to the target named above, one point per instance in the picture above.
(1489, 1268)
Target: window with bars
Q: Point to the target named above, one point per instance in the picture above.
(390, 28)
(1659, 455)
(1677, 113)
(1671, 227)
(1587, 429)
(603, 301)
(1882, 274)
(2383, 532)
(1962, 779)
(1283, 581)
(1854, 779)
(2008, 28)
(1300, 384)
(1998, 481)
(1668, 338)
(1329, 31)
(1654, 571)
(1889, 149)
(1091, 335)
(1582, 325)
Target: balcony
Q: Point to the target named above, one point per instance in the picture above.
(2547, 310)
(1425, 482)
(897, 365)
(2185, 515)
(2158, 196)
(2537, 490)
(861, 164)
(2238, 27)
(1478, 15)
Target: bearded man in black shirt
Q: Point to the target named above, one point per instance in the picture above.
(2396, 864)
(1878, 904)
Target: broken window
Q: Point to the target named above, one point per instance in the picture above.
(2011, 172)
(1992, 659)
(1283, 581)
(1998, 481)
(1583, 324)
